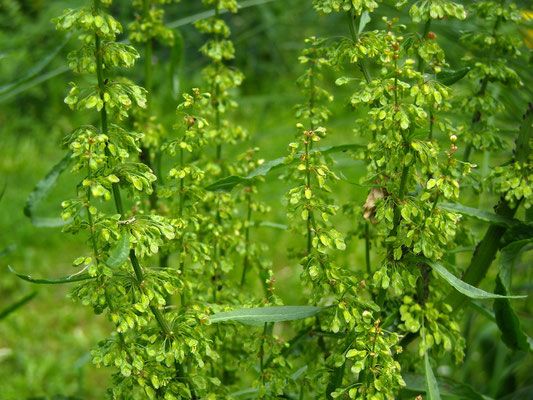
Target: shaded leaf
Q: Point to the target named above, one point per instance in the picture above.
(120, 253)
(450, 76)
(506, 318)
(15, 306)
(481, 215)
(52, 281)
(261, 315)
(448, 387)
(463, 287)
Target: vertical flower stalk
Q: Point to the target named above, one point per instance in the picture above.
(153, 346)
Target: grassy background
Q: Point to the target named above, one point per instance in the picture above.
(44, 346)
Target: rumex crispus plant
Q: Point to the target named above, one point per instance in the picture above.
(204, 321)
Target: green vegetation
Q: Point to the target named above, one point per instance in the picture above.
(266, 199)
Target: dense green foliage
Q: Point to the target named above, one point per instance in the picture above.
(305, 200)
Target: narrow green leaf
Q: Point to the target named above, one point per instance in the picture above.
(261, 315)
(450, 76)
(448, 387)
(120, 253)
(228, 183)
(3, 191)
(298, 373)
(432, 388)
(211, 13)
(506, 318)
(53, 281)
(176, 64)
(225, 185)
(463, 287)
(41, 191)
(481, 215)
(267, 224)
(15, 306)
(8, 90)
(365, 19)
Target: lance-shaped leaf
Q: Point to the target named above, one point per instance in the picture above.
(463, 287)
(228, 183)
(261, 315)
(448, 387)
(506, 318)
(481, 215)
(120, 253)
(432, 387)
(449, 77)
(52, 281)
(16, 305)
(41, 191)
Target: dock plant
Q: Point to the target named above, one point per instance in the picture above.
(174, 258)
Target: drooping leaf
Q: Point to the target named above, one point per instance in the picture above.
(448, 387)
(228, 183)
(450, 76)
(16, 305)
(431, 385)
(261, 315)
(41, 190)
(53, 281)
(463, 287)
(506, 318)
(481, 215)
(120, 253)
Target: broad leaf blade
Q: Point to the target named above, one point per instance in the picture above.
(432, 388)
(463, 287)
(52, 281)
(481, 215)
(261, 315)
(120, 253)
(15, 306)
(506, 318)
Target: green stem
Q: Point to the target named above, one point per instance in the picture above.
(367, 249)
(354, 31)
(246, 260)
